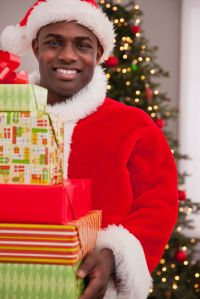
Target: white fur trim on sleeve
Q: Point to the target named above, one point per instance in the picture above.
(133, 277)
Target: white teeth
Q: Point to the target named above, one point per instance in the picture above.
(68, 72)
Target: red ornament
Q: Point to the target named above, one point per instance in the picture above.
(135, 29)
(182, 195)
(149, 93)
(180, 256)
(112, 61)
(160, 122)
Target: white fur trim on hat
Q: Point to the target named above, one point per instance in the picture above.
(132, 274)
(18, 39)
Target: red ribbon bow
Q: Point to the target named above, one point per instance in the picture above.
(8, 64)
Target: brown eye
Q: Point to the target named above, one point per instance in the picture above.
(55, 43)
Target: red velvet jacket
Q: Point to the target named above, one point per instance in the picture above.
(134, 179)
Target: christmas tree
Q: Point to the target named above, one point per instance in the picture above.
(133, 75)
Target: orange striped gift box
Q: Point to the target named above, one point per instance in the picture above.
(49, 244)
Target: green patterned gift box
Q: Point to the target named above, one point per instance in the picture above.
(22, 97)
(27, 281)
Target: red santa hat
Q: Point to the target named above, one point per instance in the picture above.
(18, 39)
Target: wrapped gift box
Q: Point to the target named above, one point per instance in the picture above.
(56, 204)
(26, 97)
(31, 148)
(49, 244)
(26, 281)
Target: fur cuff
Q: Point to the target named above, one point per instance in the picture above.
(133, 278)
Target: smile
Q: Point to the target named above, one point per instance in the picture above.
(66, 74)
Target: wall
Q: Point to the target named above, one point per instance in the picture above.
(12, 11)
(162, 25)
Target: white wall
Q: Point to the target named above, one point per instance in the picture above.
(190, 98)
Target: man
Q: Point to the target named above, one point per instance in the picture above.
(134, 180)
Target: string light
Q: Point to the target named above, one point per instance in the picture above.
(158, 273)
(152, 72)
(121, 20)
(174, 286)
(150, 108)
(153, 114)
(164, 279)
(173, 266)
(137, 7)
(128, 83)
(197, 275)
(138, 34)
(164, 269)
(185, 263)
(177, 277)
(140, 59)
(107, 5)
(143, 47)
(125, 56)
(137, 100)
(189, 211)
(143, 77)
(115, 8)
(156, 107)
(172, 153)
(138, 92)
(181, 209)
(108, 87)
(116, 21)
(162, 261)
(126, 46)
(102, 1)
(179, 229)
(124, 71)
(196, 285)
(184, 248)
(121, 48)
(156, 92)
(108, 76)
(193, 241)
(129, 69)
(137, 21)
(148, 59)
(118, 69)
(167, 247)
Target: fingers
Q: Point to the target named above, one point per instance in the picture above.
(87, 266)
(96, 288)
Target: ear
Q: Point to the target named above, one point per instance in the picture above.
(35, 48)
(99, 53)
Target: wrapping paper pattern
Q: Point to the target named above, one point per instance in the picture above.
(18, 97)
(26, 281)
(31, 148)
(49, 244)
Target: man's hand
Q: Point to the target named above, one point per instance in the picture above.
(98, 267)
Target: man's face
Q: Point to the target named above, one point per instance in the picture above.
(67, 53)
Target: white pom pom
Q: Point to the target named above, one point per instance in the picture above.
(13, 39)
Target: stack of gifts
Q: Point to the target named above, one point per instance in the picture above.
(46, 223)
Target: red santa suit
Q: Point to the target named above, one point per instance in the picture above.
(134, 181)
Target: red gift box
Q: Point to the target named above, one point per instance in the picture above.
(56, 204)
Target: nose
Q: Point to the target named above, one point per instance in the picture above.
(67, 54)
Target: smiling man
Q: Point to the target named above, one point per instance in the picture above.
(134, 179)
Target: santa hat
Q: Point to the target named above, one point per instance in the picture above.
(18, 39)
